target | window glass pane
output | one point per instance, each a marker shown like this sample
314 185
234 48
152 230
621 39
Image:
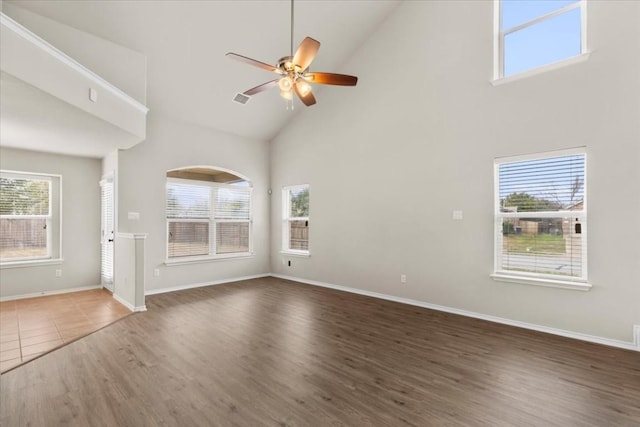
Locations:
543 185
23 238
232 203
24 196
299 235
299 202
188 201
516 12
541 245
232 237
543 43
188 239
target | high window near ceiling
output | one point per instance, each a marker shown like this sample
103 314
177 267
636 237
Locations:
295 220
208 215
29 218
532 34
541 219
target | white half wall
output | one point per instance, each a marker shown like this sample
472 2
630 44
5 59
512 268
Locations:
388 162
142 189
80 224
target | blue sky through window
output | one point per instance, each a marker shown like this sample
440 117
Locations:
542 43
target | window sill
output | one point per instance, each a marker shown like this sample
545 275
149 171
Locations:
31 263
300 254
542 69
200 260
549 283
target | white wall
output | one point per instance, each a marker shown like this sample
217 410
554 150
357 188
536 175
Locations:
80 224
389 160
122 67
141 188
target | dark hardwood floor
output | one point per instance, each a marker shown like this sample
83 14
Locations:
274 352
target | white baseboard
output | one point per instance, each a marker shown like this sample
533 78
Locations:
561 332
128 304
201 284
45 293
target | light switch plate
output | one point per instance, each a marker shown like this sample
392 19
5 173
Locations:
457 215
133 215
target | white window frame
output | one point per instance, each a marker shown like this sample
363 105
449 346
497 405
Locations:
212 221
499 35
54 254
287 219
530 278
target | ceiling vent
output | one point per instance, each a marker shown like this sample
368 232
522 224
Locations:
241 98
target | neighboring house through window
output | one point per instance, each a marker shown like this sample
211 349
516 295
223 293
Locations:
532 34
541 217
295 215
29 217
208 214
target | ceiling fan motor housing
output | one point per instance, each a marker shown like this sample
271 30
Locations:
287 66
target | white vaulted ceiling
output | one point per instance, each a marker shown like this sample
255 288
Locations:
188 76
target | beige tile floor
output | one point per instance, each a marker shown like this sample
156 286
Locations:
34 326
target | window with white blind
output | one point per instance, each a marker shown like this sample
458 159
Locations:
29 217
531 34
208 219
541 218
295 216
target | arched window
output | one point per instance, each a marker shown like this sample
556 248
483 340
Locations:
208 214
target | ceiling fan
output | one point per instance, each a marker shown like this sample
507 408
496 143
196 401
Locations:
294 74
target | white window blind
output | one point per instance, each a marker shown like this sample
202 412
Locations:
108 228
232 203
232 214
188 201
541 216
295 228
207 219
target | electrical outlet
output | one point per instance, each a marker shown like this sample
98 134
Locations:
58 273
403 278
156 272
636 330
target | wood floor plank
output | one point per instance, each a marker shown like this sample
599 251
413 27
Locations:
275 352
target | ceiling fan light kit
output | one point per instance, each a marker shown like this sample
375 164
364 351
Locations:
294 72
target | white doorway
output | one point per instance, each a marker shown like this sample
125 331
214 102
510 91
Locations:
108 232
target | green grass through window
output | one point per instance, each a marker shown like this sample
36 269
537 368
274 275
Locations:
534 243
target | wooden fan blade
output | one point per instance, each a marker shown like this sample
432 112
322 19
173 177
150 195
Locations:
253 62
303 90
331 79
261 88
306 52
